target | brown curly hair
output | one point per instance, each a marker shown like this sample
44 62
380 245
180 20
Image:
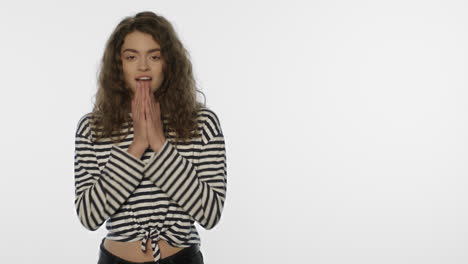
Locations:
176 95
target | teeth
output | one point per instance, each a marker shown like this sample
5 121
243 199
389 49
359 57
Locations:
144 78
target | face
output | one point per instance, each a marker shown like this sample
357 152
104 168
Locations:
141 56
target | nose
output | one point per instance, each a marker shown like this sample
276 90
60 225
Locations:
143 65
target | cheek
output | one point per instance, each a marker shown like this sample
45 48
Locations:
127 75
125 70
128 81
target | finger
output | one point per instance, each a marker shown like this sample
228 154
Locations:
141 110
135 91
147 97
140 105
143 101
150 104
136 96
149 107
148 94
155 104
146 87
142 95
154 111
150 97
150 101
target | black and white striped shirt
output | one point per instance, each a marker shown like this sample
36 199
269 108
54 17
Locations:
157 197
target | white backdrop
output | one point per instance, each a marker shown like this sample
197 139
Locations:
345 122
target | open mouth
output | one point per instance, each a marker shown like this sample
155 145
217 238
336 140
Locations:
143 79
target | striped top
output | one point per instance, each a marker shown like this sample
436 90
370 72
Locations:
159 196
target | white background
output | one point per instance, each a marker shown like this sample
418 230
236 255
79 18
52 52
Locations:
345 122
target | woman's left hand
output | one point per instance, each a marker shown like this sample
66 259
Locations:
154 123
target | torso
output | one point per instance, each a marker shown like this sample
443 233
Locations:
131 251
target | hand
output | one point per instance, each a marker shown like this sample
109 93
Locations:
154 124
140 137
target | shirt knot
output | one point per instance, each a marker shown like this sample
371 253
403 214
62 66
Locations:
154 235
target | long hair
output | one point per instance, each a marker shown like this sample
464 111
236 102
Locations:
176 95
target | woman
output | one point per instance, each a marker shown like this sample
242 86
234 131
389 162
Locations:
149 159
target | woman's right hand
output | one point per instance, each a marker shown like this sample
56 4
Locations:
140 138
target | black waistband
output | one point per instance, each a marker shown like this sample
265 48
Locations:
185 252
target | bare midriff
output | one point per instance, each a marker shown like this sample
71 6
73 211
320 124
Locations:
131 251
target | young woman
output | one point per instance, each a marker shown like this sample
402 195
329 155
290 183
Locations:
149 159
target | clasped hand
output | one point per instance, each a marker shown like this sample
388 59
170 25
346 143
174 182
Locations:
146 115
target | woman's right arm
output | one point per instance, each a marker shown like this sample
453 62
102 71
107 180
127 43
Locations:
100 193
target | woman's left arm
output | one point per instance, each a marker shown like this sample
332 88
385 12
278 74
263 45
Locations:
200 190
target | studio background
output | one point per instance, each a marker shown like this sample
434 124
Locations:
345 123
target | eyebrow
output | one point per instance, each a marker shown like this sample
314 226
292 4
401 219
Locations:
136 51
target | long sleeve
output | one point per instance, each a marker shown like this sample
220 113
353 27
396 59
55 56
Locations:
100 193
200 189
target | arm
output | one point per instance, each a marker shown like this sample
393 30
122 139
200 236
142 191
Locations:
201 190
100 193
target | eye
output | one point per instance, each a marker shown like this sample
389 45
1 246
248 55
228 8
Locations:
155 57
130 57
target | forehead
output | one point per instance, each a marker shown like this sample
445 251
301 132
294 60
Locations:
139 41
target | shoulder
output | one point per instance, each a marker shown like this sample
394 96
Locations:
207 115
83 127
209 122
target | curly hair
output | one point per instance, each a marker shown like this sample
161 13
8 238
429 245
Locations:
176 95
